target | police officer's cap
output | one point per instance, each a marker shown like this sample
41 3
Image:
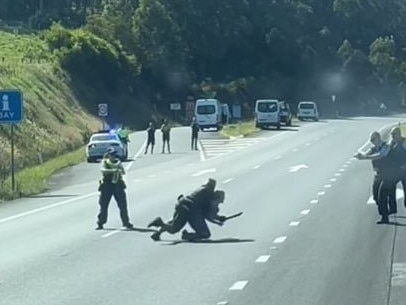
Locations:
395 130
211 182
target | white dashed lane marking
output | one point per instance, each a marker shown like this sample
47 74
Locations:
262 259
337 174
257 166
305 212
333 180
280 239
240 285
321 193
327 186
227 180
314 201
203 172
294 223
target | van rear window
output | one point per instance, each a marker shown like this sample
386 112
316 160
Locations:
306 106
267 107
206 109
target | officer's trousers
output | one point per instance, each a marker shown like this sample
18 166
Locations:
108 190
194 141
199 225
384 194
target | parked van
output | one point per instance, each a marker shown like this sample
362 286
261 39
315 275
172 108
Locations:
208 113
267 113
307 110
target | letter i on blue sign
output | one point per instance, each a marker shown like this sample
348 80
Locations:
5 103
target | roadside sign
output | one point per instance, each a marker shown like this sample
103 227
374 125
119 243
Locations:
11 106
176 106
103 110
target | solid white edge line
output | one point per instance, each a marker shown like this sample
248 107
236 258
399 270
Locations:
201 151
48 207
111 233
139 152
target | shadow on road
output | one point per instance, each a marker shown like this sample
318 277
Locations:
207 241
135 229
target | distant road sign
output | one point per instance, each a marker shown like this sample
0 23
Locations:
103 110
11 106
175 106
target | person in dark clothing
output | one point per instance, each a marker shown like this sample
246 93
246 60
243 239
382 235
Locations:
150 138
112 184
384 179
194 209
398 155
195 133
166 131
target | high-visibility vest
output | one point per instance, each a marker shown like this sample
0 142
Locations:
117 176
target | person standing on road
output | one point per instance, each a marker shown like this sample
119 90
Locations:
398 154
112 184
195 133
166 131
150 138
383 178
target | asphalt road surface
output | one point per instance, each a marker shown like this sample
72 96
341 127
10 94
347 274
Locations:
307 236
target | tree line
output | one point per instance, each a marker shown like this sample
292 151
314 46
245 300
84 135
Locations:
236 50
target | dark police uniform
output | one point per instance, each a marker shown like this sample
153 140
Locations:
150 139
383 181
398 157
189 209
195 133
112 184
166 131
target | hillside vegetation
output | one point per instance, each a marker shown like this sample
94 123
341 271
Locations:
140 55
54 121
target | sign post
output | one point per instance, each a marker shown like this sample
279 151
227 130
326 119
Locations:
11 112
333 98
175 107
103 112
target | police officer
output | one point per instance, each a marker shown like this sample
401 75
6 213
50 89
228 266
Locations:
195 133
192 209
112 184
150 138
166 131
383 178
398 156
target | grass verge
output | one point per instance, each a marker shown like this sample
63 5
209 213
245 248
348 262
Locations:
244 129
34 180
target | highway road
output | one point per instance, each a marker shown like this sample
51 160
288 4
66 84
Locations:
308 235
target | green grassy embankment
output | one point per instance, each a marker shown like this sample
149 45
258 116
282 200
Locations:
242 129
54 124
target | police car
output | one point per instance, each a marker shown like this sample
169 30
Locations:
101 141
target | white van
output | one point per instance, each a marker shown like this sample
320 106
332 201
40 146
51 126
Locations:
307 110
267 113
208 113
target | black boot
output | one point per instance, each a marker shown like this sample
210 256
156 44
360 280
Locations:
157 222
384 220
156 236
